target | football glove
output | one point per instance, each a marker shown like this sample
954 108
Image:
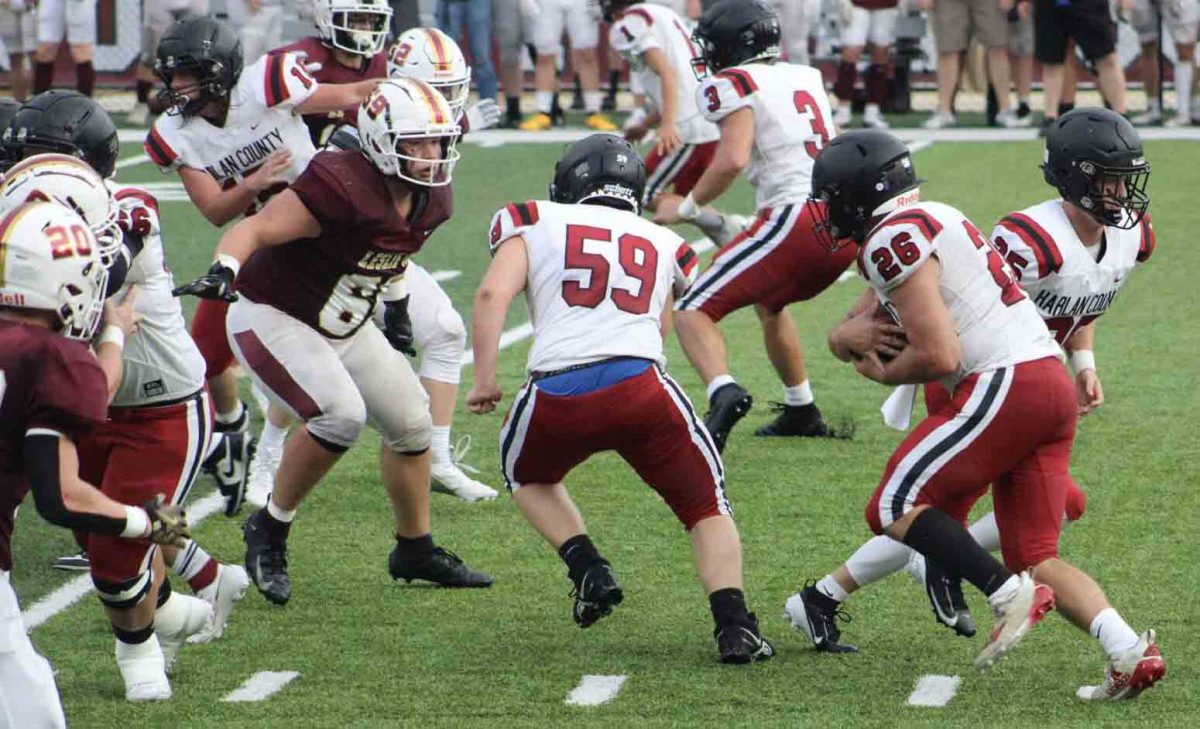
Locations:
397 326
168 522
484 114
216 284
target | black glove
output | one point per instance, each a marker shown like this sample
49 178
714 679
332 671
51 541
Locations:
397 326
216 284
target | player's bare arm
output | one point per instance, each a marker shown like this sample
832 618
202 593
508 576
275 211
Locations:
120 322
222 206
862 332
732 156
505 278
336 97
668 133
283 220
933 350
1088 390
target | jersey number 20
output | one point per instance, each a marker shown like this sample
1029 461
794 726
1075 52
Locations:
642 267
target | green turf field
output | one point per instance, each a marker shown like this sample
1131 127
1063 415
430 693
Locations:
370 652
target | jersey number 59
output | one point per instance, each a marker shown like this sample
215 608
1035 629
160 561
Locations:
638 259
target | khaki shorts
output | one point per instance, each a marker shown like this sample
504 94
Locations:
1020 37
956 21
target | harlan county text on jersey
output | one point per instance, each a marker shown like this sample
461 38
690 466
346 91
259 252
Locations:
247 157
1092 304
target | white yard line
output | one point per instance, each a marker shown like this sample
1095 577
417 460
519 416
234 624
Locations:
595 690
70 593
508 338
133 161
261 685
934 691
445 275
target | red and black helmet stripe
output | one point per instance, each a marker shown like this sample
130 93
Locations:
741 79
1049 259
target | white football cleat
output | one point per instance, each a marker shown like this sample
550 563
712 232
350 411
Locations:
182 617
1130 673
1014 617
1150 116
262 475
731 227
221 595
138 115
842 116
873 118
1182 119
939 120
143 670
449 477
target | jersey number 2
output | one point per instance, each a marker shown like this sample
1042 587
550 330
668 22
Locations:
597 289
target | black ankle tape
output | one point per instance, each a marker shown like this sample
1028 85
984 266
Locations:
134 637
578 553
164 592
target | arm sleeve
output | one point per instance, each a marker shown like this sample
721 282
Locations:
1028 248
632 35
721 95
282 81
163 147
511 220
42 473
1148 241
687 263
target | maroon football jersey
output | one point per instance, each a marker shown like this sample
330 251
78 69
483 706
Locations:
875 4
320 126
331 282
46 381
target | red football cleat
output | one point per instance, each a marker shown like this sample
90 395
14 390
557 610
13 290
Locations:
1129 674
1014 618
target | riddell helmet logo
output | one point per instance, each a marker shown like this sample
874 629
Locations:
908 198
13 299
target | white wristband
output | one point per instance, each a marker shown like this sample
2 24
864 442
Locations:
688 209
137 523
229 262
113 334
1083 359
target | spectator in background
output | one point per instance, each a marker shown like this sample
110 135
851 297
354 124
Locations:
954 22
582 24
1091 25
869 23
1020 57
157 16
74 20
405 14
797 18
509 24
259 25
476 16
16 30
1182 18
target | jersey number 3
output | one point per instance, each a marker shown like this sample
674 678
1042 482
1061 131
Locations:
637 256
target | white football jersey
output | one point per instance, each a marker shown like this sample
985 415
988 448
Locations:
599 280
996 322
792 123
647 26
1069 286
261 120
162 362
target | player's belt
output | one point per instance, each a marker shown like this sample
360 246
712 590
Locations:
543 374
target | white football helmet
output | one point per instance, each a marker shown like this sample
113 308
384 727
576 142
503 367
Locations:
338 27
71 182
404 110
48 261
434 57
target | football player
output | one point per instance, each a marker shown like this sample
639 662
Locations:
52 392
1009 421
659 48
298 322
599 279
235 137
870 24
774 119
157 17
73 21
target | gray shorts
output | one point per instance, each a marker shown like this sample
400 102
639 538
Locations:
508 30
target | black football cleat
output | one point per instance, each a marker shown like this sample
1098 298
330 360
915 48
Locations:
266 557
229 465
740 642
439 566
816 616
596 593
799 421
946 598
728 405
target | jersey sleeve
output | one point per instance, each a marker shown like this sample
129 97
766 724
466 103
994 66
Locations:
511 220
71 395
720 95
898 247
281 80
137 212
322 192
162 146
687 264
633 34
1028 248
1147 241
